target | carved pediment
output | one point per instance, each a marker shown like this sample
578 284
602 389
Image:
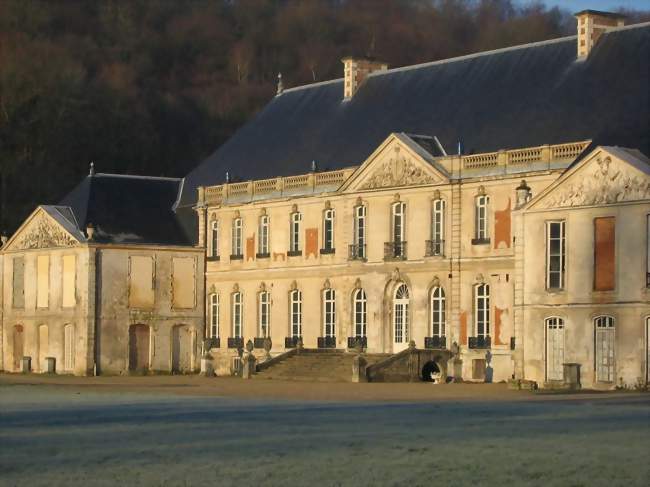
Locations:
44 234
395 163
399 170
603 180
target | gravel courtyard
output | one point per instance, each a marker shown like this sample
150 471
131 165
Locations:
162 431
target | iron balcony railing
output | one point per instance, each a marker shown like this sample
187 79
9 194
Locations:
357 252
434 247
236 342
353 342
480 342
394 250
258 342
327 342
291 342
212 342
435 343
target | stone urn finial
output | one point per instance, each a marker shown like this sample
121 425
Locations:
250 346
268 344
412 345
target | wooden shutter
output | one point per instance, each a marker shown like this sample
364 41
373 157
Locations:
604 254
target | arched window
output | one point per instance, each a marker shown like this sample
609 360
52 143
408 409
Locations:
328 230
214 239
438 319
237 238
605 359
359 249
554 348
401 315
360 313
482 310
295 313
481 203
437 227
213 315
237 312
329 313
294 232
263 236
68 347
264 314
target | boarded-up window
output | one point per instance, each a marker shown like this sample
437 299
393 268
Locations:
69 281
141 281
183 279
18 298
604 254
42 281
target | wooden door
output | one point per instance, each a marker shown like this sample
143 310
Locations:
18 347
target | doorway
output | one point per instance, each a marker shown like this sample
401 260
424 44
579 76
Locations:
400 318
139 345
181 349
605 343
554 349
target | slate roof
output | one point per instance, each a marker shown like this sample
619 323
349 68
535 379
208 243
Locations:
125 209
522 96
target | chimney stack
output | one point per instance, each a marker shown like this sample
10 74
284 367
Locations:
591 25
356 70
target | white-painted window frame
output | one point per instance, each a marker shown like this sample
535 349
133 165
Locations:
263 235
237 236
329 312
360 313
438 312
294 231
213 315
559 257
295 313
482 310
264 314
237 307
328 229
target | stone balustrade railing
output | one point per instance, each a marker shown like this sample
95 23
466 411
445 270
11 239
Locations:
324 181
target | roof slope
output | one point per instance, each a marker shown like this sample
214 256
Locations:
516 97
127 209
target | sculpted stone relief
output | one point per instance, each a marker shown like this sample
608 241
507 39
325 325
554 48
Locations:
603 183
398 171
43 234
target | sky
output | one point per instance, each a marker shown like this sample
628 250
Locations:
607 5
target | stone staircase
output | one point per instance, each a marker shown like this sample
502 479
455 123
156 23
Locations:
315 365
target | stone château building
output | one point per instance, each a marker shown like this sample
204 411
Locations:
492 209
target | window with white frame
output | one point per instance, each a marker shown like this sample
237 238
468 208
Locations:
438 319
294 232
329 312
295 313
237 237
237 312
481 203
263 235
264 314
328 230
554 348
214 239
605 357
360 313
213 315
360 231
399 215
438 227
482 309
555 255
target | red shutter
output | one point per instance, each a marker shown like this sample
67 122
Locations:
604 254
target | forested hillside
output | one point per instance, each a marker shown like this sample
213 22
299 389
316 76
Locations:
152 87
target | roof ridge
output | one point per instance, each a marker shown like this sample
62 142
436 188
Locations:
134 176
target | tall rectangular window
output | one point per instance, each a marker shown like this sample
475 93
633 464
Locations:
263 235
237 306
360 314
482 309
555 254
438 227
213 249
69 295
214 315
295 311
237 237
264 314
604 254
399 211
360 231
481 217
294 232
328 230
18 288
329 312
43 281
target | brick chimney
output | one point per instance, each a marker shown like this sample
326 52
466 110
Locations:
356 70
591 24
